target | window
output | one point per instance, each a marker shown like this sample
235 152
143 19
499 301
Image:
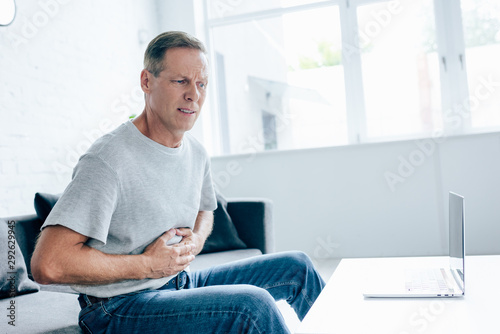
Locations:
218 9
275 73
296 74
400 67
481 24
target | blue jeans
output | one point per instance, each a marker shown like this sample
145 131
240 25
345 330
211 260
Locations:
237 297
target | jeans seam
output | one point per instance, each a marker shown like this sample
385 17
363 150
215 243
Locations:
106 312
82 323
210 270
280 284
187 313
302 292
306 298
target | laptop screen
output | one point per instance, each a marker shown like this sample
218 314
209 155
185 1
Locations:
456 242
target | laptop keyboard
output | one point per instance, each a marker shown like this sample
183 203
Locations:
427 280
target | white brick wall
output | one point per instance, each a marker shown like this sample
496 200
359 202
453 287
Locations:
69 72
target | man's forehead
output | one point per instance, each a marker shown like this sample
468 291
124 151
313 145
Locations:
186 61
189 72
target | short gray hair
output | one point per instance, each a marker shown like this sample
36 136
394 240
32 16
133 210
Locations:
155 52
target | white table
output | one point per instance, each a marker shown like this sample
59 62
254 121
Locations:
341 307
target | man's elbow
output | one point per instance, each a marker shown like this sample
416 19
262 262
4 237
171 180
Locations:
45 272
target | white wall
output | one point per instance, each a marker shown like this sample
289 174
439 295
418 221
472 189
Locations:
69 72
336 202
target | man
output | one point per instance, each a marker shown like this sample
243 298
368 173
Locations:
138 211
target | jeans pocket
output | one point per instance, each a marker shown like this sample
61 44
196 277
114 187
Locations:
93 319
84 327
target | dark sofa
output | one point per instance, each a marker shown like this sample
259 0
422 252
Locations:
54 309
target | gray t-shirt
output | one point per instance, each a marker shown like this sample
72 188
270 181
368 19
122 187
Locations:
127 190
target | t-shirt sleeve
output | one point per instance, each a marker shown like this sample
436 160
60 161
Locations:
88 203
208 200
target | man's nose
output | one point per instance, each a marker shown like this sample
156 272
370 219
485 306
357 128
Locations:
192 93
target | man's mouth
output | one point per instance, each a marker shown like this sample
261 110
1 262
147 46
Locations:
186 111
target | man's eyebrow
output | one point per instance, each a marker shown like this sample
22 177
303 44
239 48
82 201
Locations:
184 76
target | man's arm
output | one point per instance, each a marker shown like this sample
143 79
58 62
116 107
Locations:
61 257
202 229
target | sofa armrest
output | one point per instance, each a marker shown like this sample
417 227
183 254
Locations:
253 220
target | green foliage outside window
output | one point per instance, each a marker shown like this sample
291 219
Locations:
327 55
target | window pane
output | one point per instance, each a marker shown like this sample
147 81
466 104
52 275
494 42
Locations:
400 68
481 22
283 89
225 8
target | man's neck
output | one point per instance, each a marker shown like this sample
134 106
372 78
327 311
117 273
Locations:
155 131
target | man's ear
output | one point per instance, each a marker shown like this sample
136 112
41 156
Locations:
146 80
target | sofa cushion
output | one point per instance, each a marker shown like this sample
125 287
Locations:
14 279
27 231
44 204
224 235
43 312
205 261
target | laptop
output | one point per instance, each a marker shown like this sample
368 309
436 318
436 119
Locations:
435 282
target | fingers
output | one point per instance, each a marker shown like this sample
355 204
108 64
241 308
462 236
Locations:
168 235
185 260
183 249
181 257
165 260
184 231
160 245
187 237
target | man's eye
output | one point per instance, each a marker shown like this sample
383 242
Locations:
202 85
179 81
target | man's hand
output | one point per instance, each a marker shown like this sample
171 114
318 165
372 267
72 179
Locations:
191 238
202 229
166 260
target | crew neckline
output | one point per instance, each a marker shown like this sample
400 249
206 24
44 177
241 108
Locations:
154 144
